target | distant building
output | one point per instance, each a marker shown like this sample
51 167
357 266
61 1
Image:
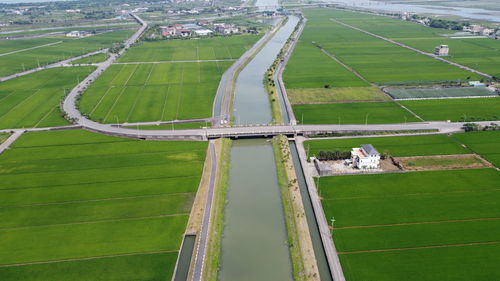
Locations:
476 28
226 29
488 31
442 50
76 33
476 84
365 157
203 32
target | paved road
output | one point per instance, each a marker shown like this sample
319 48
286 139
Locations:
10 140
63 63
281 68
224 91
326 235
205 227
414 49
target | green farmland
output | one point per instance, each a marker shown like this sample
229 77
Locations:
66 48
376 60
416 226
81 206
153 92
33 100
310 68
482 54
352 113
215 48
483 143
402 93
395 146
478 109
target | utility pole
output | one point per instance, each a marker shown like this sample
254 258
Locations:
332 220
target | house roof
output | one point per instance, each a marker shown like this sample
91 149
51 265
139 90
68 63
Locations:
369 149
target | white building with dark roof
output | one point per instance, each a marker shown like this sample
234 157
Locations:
365 157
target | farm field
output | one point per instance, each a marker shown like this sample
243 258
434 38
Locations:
92 59
478 109
214 48
395 146
377 60
309 67
482 54
3 137
123 216
338 94
352 113
7 46
68 48
483 143
153 92
402 93
404 218
33 100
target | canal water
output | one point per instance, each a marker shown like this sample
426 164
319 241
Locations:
254 243
251 102
254 240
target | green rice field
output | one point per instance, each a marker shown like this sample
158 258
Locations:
478 109
402 93
482 54
308 67
416 226
33 100
352 113
65 48
215 48
3 137
376 60
67 216
395 146
153 92
483 143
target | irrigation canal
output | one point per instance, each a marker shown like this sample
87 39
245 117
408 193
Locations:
254 242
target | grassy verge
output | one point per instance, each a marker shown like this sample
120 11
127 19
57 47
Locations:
299 239
240 68
271 89
3 137
223 147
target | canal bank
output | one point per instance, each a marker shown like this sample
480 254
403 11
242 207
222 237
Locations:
254 244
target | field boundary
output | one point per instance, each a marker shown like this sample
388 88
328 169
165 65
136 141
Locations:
414 49
88 258
422 247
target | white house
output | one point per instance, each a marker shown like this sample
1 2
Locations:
203 32
365 157
442 50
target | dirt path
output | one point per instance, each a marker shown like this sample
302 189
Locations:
416 223
422 247
88 258
32 48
